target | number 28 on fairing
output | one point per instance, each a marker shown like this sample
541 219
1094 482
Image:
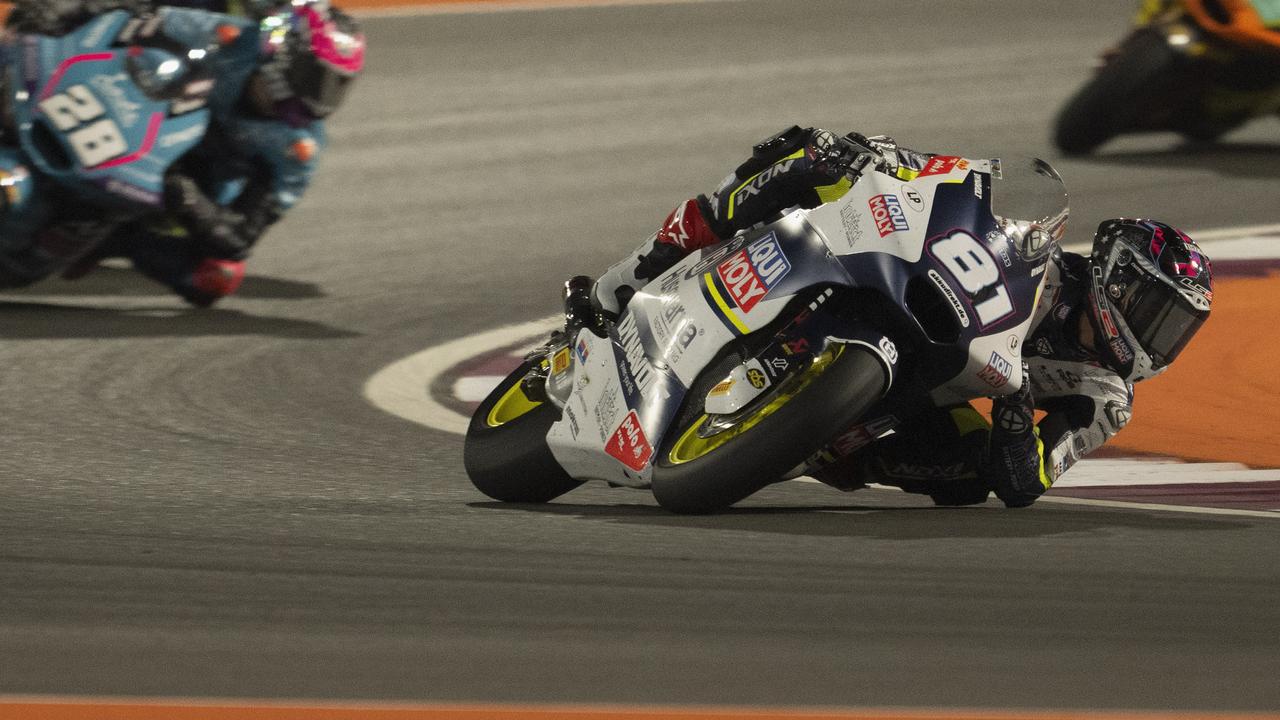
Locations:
978 273
74 113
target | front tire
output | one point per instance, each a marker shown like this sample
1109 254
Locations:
505 451
693 475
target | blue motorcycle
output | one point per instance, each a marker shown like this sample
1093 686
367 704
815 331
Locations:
90 122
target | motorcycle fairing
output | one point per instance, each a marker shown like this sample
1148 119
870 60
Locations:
949 237
625 389
628 388
85 121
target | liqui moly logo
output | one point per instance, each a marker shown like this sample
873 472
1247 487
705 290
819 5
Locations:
887 212
628 444
752 272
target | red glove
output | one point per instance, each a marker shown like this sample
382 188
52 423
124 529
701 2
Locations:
686 228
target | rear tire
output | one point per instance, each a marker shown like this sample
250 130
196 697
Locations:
510 461
1109 103
777 443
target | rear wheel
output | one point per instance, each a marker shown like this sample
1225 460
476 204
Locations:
506 453
1127 86
709 463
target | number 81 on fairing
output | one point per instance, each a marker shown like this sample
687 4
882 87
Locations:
977 271
72 112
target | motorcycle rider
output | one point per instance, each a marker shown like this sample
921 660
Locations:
1104 322
255 161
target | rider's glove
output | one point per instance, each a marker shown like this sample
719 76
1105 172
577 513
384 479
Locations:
1015 466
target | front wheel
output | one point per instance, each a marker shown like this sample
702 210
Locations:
506 453
707 465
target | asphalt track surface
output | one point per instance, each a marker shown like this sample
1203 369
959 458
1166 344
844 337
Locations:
202 504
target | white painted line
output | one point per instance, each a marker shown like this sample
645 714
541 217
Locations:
1126 505
403 387
1122 504
1119 473
477 8
476 387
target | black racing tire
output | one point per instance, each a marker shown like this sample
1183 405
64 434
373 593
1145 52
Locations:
511 462
1110 102
764 452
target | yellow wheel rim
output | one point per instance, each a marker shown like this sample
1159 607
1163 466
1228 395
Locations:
691 447
513 404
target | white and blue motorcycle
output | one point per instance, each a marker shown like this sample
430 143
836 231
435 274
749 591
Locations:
728 371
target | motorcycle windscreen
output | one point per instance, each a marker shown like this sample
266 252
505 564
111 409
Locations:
1029 201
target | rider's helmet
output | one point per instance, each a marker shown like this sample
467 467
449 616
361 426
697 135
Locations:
314 53
1150 291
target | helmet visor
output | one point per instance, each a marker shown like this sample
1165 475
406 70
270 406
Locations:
1161 320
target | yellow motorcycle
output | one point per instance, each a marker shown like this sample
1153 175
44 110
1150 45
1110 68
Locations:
1196 67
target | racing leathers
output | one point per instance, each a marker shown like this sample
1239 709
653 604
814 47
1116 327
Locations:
953 454
251 168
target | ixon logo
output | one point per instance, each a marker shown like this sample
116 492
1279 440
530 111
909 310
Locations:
752 272
887 212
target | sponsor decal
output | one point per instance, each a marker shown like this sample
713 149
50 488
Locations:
1013 419
1102 307
560 361
583 351
997 372
752 272
851 219
775 366
914 199
756 184
1197 288
913 471
628 444
943 165
132 192
573 421
795 347
977 186
889 349
1118 414
607 411
640 376
950 294
722 388
108 86
1044 347
888 215
1070 379
757 379
1121 349
191 134
862 435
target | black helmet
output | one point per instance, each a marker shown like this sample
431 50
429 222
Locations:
1150 291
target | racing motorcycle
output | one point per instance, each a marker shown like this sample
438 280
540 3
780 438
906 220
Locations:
96 117
1197 67
726 372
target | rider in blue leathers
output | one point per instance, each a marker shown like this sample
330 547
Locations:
1104 322
258 156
